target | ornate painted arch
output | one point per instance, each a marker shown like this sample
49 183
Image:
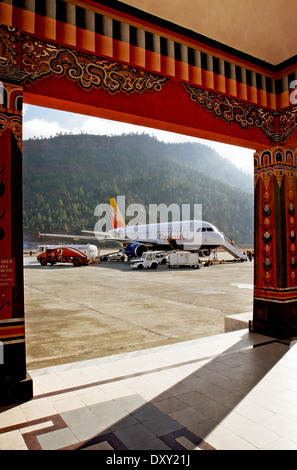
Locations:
104 59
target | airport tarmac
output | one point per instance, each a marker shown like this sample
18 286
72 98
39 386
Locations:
226 391
79 313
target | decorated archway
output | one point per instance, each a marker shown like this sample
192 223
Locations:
118 63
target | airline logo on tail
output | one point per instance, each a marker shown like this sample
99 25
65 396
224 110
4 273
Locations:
117 220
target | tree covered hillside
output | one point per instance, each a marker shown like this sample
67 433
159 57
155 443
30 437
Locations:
67 176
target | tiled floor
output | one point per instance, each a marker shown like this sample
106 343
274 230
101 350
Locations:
233 391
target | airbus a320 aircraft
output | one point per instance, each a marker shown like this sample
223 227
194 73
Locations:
192 235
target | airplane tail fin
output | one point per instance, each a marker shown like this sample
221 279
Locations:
117 220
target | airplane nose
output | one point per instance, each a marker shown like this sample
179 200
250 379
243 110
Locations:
220 237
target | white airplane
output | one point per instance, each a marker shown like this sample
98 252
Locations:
192 235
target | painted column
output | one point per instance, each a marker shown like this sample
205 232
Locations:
275 274
15 385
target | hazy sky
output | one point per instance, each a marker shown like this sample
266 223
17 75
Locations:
43 122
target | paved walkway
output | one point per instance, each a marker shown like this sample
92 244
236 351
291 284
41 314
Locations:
232 391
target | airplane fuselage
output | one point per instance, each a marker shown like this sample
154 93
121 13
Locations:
190 235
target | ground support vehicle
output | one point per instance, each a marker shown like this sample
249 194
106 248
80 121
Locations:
116 256
147 260
183 258
75 254
161 257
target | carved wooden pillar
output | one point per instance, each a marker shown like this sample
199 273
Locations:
275 275
15 385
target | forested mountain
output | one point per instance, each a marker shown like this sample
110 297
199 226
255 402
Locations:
67 176
206 160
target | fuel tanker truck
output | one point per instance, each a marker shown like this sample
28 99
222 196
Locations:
78 255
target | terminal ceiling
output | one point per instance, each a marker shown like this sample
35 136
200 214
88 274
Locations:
264 29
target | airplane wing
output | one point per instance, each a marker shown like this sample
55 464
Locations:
109 236
106 236
74 237
97 236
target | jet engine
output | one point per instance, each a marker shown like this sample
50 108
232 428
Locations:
135 250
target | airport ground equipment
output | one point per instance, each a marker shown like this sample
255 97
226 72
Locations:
183 258
115 256
233 249
78 255
147 260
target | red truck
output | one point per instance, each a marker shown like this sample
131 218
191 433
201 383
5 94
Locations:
78 255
